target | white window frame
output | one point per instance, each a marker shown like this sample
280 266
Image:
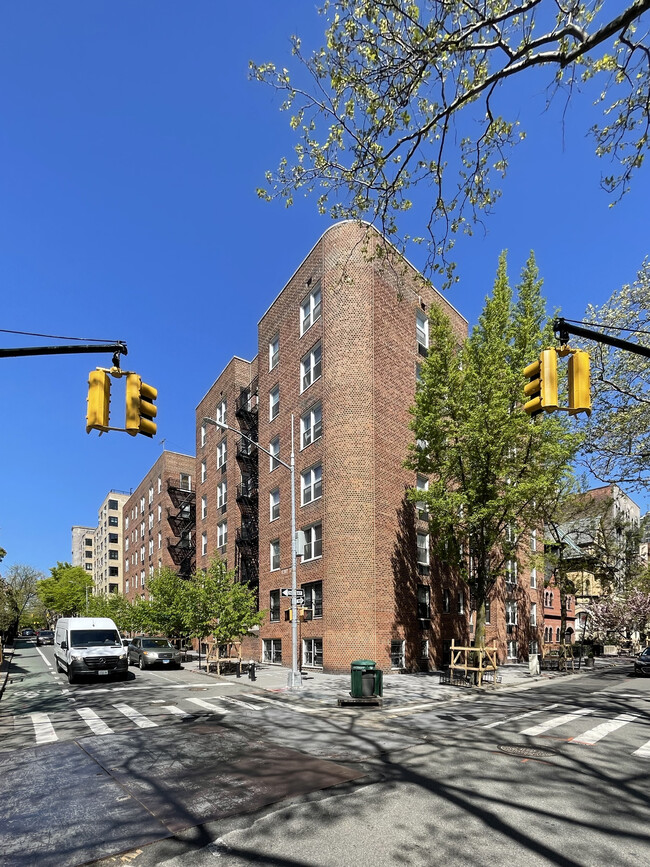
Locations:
311 367
313 541
222 494
422 329
310 652
512 650
220 413
397 654
310 423
533 614
533 578
272 650
274 352
512 612
204 507
274 449
204 544
203 434
204 470
533 540
274 555
222 453
310 482
274 504
422 540
274 402
222 534
310 309
422 484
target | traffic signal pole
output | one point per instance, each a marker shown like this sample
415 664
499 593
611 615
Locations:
562 329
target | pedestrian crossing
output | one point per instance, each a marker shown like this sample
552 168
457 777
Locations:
569 726
43 728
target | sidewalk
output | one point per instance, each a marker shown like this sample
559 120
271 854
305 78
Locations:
323 689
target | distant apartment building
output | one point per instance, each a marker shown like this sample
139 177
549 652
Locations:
159 523
83 539
108 542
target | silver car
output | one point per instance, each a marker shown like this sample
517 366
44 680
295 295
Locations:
145 651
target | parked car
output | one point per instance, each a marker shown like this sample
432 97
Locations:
27 633
147 650
45 636
642 662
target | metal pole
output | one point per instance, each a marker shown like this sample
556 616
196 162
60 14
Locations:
295 678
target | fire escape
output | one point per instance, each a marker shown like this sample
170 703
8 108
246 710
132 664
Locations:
182 520
247 536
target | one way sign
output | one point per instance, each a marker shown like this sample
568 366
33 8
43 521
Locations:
300 595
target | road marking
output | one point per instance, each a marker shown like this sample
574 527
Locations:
411 708
643 751
172 708
93 721
45 659
207 705
519 716
43 728
134 715
598 732
557 721
244 704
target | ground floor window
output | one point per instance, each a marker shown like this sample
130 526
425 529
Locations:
512 650
312 652
397 654
533 647
424 648
272 650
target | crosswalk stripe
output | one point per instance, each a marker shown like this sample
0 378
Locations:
173 708
595 734
134 715
207 705
43 728
643 751
93 721
509 719
557 721
245 704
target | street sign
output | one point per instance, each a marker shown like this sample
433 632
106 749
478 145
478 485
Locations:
300 594
287 591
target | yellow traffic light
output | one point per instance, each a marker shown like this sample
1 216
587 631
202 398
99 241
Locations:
579 383
99 399
541 390
140 411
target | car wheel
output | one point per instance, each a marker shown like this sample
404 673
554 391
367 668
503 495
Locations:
141 664
71 677
58 664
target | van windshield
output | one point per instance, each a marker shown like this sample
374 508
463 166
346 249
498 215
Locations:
94 637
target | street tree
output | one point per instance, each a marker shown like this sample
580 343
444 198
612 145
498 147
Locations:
66 591
18 591
617 436
492 470
164 612
406 95
615 618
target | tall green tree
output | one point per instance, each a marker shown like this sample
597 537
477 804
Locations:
410 97
18 591
66 591
166 608
491 469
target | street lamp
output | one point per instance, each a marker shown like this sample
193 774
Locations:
295 675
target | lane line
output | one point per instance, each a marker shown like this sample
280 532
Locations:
207 705
519 716
172 708
93 721
134 715
598 732
245 704
43 728
45 659
557 721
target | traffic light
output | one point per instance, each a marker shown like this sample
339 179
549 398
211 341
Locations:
98 400
579 383
541 390
140 411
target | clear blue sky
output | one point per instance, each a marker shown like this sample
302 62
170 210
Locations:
131 145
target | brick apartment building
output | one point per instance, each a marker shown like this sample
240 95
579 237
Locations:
159 523
339 350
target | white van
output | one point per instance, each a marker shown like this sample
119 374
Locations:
89 646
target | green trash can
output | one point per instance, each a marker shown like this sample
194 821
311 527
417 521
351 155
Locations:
365 679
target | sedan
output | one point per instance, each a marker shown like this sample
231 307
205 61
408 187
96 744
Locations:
146 651
642 662
45 636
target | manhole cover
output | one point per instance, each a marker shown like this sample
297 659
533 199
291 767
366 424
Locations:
526 752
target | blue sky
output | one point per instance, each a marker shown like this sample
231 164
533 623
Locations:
131 146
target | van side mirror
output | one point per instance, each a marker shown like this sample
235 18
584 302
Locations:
64 645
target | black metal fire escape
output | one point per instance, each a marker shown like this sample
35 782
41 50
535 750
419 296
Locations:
182 520
247 536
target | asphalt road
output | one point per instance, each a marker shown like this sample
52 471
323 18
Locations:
188 770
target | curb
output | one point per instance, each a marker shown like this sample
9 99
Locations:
7 657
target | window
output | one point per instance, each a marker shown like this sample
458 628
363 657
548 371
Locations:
424 602
511 534
422 484
511 613
397 654
112 539
151 547
512 650
142 505
533 578
113 505
274 402
311 426
312 652
533 540
424 648
159 540
113 572
272 650
159 484
274 449
557 635
422 331
446 601
275 555
533 647
461 602
274 606
310 309
150 520
222 494
511 571
150 494
112 521
423 552
222 534
533 614
310 367
204 507
220 414
313 542
311 485
487 611
221 454
113 554
274 352
204 470
185 482
204 544
274 505
418 373
313 594
203 434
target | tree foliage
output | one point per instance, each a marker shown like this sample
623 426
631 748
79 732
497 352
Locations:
491 469
617 441
65 592
616 617
408 93
18 592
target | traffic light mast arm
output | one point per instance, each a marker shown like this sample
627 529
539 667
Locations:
562 329
118 348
